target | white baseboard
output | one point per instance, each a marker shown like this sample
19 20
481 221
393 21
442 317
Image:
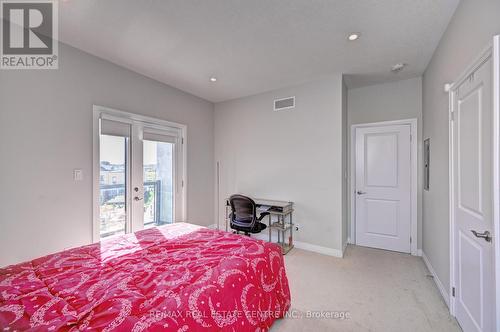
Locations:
300 245
319 249
419 252
438 282
344 248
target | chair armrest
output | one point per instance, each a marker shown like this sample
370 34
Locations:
262 215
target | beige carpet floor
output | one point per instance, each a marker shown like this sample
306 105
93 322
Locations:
380 291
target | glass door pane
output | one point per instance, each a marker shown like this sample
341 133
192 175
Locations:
112 185
158 168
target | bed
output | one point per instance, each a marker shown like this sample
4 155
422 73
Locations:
178 277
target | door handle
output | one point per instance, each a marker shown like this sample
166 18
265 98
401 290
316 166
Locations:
137 198
484 235
359 192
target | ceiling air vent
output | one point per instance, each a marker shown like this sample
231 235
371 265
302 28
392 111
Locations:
284 104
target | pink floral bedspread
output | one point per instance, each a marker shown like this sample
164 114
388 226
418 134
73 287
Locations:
179 277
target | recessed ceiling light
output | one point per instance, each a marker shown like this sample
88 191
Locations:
213 79
353 36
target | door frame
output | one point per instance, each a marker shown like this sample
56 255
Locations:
413 181
131 118
491 51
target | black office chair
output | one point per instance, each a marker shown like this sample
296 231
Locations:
244 215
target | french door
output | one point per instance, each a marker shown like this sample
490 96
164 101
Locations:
138 173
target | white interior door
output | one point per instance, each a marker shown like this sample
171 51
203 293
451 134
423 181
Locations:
472 201
383 187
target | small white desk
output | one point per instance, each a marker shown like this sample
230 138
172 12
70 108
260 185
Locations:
283 211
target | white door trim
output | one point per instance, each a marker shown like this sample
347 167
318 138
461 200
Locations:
111 113
493 50
496 168
414 175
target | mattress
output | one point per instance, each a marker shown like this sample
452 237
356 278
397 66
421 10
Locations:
178 277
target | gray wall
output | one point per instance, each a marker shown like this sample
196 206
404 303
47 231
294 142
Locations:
470 31
289 155
46 132
345 156
387 102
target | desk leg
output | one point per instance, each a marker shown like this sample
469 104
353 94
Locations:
279 232
269 228
226 217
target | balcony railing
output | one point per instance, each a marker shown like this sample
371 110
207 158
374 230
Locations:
113 208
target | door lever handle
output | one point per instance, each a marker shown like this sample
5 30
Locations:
359 192
484 235
137 198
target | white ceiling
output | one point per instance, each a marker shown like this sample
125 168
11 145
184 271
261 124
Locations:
253 46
